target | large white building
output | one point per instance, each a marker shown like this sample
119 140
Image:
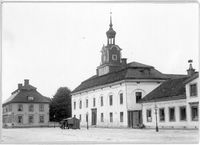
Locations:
111 97
174 104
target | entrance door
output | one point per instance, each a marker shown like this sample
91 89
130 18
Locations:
94 116
134 118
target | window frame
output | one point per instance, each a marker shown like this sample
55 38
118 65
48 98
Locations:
149 110
136 96
160 114
80 104
31 109
20 107
121 98
192 117
193 94
180 116
21 119
32 119
41 107
102 117
174 116
40 119
111 100
74 105
94 102
101 100
111 117
121 117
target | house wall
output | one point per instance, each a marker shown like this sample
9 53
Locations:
129 102
166 105
191 100
133 87
11 115
116 108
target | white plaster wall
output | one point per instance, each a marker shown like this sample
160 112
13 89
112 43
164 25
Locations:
192 99
25 113
166 104
144 87
116 108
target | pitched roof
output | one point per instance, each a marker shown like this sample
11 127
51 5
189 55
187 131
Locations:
172 89
21 96
194 76
133 70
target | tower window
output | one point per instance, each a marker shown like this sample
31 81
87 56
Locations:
193 90
114 57
138 96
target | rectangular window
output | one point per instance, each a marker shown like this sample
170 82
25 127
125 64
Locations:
80 104
74 105
31 109
86 103
183 113
149 117
111 100
20 107
30 119
86 118
94 102
101 117
121 98
80 117
193 90
10 107
101 100
172 114
41 120
194 113
162 114
41 107
138 96
20 119
121 116
111 117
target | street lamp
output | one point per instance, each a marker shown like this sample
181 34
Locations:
54 116
87 120
156 109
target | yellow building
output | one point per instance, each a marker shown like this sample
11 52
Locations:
26 107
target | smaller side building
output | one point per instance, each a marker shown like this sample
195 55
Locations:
26 107
174 104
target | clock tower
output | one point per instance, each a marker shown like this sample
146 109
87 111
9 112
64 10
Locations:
110 54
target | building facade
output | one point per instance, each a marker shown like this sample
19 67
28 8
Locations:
111 97
26 108
174 104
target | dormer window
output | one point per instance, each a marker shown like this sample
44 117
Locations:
114 57
30 98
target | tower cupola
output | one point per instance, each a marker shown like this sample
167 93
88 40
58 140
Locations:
111 33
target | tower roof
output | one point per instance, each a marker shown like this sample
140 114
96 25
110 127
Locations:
111 33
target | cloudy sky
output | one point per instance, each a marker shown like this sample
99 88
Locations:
58 44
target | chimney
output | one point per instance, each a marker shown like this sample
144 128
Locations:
124 61
26 82
19 86
190 71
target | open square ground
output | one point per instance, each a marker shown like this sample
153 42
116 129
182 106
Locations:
98 135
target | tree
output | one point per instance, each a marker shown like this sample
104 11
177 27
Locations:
60 106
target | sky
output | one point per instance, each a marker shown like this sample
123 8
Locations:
58 44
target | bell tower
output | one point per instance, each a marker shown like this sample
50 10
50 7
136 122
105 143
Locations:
110 54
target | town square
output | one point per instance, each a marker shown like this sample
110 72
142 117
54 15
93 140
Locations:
100 73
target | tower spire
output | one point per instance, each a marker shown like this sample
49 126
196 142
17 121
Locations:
111 19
